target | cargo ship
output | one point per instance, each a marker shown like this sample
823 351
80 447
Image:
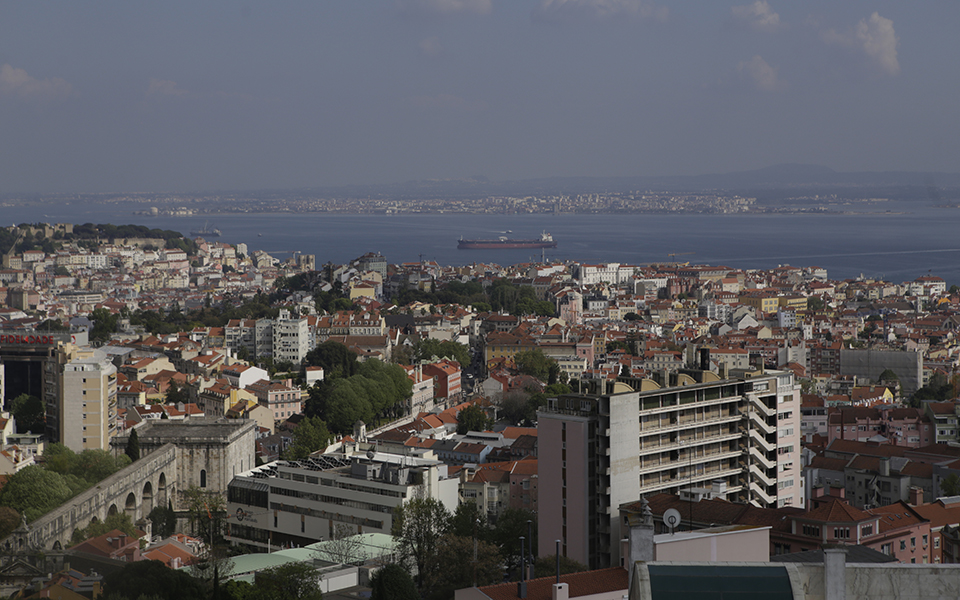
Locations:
504 243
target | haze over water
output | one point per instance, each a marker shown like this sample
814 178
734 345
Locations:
898 247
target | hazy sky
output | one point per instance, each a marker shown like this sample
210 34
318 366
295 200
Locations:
189 96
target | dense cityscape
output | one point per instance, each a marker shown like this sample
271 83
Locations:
452 431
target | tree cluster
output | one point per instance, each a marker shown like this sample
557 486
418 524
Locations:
502 295
119 521
426 349
442 546
354 391
472 418
29 413
35 490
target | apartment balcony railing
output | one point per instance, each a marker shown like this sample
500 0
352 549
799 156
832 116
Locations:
644 431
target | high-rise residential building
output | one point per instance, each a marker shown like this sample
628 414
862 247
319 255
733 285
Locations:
88 405
701 436
291 338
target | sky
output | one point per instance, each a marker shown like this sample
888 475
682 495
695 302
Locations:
178 96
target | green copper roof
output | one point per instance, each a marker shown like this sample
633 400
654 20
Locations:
726 582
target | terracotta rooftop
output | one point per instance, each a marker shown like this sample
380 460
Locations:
587 583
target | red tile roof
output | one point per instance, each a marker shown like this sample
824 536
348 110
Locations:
587 583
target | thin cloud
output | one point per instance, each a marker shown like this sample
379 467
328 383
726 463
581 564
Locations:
163 87
430 46
446 7
763 76
449 102
574 10
758 16
18 83
875 37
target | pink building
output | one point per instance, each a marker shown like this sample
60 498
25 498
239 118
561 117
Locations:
279 396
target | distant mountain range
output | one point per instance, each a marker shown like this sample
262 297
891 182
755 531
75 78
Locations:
815 178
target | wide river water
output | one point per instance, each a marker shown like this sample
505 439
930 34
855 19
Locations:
911 240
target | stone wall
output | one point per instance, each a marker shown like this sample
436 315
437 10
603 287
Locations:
135 490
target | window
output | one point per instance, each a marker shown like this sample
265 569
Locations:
903 544
913 542
866 530
203 478
924 540
936 542
887 549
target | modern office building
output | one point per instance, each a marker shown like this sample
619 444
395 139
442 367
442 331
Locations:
300 502
700 436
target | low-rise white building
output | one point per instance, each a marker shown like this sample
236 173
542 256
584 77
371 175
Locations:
301 502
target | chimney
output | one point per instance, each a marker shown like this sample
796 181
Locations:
640 538
915 496
834 573
885 467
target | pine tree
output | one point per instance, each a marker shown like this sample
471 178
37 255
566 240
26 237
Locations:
133 446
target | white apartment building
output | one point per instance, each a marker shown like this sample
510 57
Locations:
612 273
291 338
88 403
599 450
301 502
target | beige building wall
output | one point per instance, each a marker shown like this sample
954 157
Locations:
88 401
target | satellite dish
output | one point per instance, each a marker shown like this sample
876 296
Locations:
671 517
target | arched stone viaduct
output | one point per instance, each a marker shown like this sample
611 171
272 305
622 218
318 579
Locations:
135 490
175 455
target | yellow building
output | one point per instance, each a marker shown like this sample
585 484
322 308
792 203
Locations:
793 302
766 303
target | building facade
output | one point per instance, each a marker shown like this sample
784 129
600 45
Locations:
88 407
602 449
301 502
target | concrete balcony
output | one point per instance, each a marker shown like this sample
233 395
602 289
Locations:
760 441
691 424
759 422
761 493
701 441
760 474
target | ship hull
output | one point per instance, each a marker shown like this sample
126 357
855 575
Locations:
503 245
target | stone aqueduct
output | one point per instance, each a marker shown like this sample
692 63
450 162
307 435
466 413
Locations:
134 490
178 454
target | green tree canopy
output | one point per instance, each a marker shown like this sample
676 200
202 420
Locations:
9 520
512 524
32 491
133 446
428 348
292 581
163 519
546 566
534 363
28 413
336 359
455 568
119 521
950 485
393 582
418 526
308 437
468 520
472 418
153 578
